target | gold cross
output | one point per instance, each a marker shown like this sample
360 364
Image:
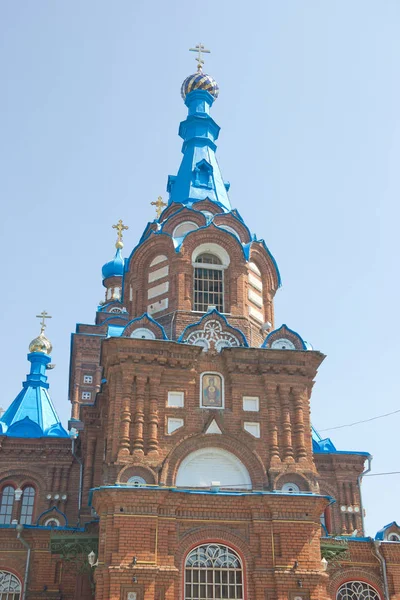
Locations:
120 227
200 49
159 206
43 315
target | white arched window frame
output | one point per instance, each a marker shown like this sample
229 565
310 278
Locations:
357 590
211 466
209 262
136 481
10 586
213 571
184 228
230 229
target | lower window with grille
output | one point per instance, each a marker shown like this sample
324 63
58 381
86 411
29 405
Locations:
213 571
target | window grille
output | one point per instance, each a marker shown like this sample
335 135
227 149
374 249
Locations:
86 395
6 506
208 283
28 500
357 590
87 379
213 571
10 586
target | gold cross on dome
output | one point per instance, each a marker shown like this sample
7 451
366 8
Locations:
200 49
43 315
120 227
159 206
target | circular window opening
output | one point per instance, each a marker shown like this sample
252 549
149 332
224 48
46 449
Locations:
394 537
52 522
136 481
290 488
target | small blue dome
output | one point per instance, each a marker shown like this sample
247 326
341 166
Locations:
114 268
199 81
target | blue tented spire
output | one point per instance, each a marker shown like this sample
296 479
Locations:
32 414
199 176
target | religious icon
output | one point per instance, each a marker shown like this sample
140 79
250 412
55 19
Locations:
212 392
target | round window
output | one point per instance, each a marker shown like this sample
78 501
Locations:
290 488
136 481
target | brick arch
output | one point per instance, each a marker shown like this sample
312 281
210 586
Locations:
186 214
249 458
354 574
264 262
137 469
22 478
219 535
297 478
334 512
231 221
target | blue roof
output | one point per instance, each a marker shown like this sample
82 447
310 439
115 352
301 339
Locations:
199 176
32 414
381 533
320 445
115 267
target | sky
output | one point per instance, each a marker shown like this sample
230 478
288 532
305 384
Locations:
310 141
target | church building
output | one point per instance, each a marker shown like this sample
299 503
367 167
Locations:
190 469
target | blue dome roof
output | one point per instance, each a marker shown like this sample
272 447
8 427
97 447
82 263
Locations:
114 268
199 81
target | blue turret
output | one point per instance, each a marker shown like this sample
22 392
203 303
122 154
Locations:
32 414
199 176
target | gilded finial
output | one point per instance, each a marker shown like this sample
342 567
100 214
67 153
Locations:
120 227
43 315
41 343
200 49
159 206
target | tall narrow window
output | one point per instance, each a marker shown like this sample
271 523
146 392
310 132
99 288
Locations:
10 586
213 571
28 500
6 506
208 283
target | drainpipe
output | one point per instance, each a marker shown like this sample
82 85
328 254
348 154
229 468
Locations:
381 558
19 529
359 480
79 461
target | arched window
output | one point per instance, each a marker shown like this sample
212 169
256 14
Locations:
6 505
208 283
203 467
213 571
357 590
28 500
136 481
10 586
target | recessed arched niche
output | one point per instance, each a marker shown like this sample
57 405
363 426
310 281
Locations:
208 466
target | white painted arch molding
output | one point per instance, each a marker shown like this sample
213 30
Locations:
202 467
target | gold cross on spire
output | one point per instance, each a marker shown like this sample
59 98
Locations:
120 227
43 315
159 206
200 49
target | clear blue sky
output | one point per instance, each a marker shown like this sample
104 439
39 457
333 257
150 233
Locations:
310 141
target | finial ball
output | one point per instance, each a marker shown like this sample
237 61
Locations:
199 81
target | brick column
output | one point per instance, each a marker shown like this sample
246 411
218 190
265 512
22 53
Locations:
271 391
138 441
124 442
288 455
153 416
299 395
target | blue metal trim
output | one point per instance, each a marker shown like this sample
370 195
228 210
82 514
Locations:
145 315
275 331
45 512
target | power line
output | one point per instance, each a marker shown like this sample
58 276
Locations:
389 473
363 421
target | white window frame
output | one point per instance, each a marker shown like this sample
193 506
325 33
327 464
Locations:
252 428
86 396
249 399
179 403
88 379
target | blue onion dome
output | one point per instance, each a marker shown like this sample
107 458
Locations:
114 268
199 81
41 344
